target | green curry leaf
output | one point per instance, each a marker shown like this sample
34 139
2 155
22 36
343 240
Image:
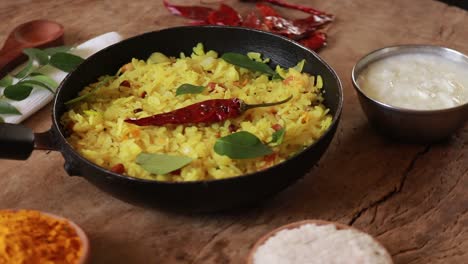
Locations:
160 163
6 81
84 96
54 50
36 83
241 145
80 98
65 61
17 92
189 89
7 108
26 70
2 120
44 79
277 136
37 54
245 62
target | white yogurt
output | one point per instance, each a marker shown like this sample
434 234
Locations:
420 81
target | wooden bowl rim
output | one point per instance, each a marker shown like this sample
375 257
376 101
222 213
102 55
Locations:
79 231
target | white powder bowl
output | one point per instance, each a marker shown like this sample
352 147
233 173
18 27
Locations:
317 241
413 93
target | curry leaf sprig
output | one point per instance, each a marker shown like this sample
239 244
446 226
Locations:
239 145
244 61
277 137
187 88
161 163
105 81
30 76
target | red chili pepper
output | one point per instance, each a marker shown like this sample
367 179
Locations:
118 168
209 111
125 83
252 21
264 18
270 158
302 8
266 10
276 127
225 15
176 172
315 41
193 12
211 86
232 128
283 26
313 22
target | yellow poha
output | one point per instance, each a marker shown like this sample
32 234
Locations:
143 88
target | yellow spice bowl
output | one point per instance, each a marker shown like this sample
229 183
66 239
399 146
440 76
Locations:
11 220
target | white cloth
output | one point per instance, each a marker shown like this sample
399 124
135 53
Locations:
41 97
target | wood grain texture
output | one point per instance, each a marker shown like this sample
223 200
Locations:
412 198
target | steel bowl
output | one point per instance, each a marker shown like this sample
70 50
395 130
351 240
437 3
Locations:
408 124
211 195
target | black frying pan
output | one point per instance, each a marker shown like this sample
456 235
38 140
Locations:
18 142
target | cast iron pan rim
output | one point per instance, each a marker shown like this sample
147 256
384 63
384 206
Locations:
200 182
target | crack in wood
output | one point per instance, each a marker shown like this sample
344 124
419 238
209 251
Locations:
211 239
374 215
404 251
395 190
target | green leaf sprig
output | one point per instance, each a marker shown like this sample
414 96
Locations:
277 137
7 108
241 145
187 88
161 164
99 85
30 77
245 62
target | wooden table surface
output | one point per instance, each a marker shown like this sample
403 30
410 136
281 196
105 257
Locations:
412 198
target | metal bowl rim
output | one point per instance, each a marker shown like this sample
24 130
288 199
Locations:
391 49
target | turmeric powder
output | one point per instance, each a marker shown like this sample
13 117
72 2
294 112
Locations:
31 237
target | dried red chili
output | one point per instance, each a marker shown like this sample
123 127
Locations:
232 128
315 41
118 168
264 17
193 12
209 111
276 127
225 15
211 86
270 158
302 8
125 83
176 172
266 10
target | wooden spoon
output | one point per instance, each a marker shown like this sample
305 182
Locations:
32 34
339 226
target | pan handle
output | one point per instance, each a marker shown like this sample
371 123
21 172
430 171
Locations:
17 141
